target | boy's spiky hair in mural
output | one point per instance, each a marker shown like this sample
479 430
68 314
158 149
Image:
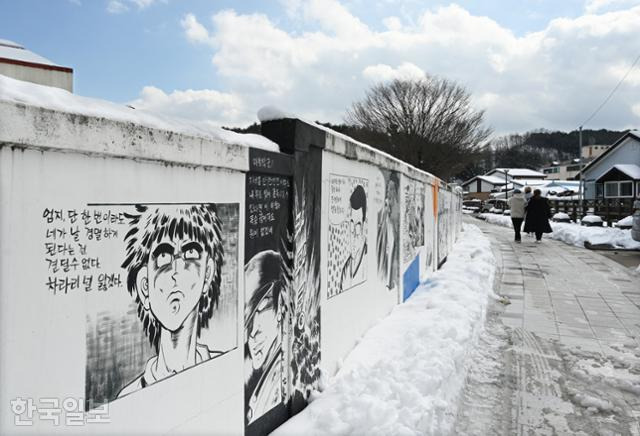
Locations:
151 223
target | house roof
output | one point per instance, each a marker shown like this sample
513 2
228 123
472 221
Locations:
13 53
610 149
489 179
518 172
631 170
530 182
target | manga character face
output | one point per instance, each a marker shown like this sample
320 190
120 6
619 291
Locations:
175 279
263 332
357 233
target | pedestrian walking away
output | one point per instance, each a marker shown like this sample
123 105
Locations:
537 215
517 204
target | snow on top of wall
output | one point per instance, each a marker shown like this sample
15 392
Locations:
271 113
11 50
31 94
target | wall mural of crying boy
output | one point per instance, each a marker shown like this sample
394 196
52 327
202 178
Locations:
174 256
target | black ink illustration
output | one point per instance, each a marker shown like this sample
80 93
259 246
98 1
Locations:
181 272
442 226
348 233
265 312
267 273
305 339
429 224
414 203
387 240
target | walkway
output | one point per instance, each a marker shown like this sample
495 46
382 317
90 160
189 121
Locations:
562 350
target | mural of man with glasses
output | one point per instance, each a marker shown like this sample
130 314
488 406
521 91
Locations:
264 313
354 270
173 260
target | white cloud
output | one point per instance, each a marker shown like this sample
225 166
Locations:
551 78
385 73
199 105
195 31
120 6
116 7
595 6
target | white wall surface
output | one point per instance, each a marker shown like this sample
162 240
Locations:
59 79
347 315
44 335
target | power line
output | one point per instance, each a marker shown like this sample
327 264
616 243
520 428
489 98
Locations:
613 91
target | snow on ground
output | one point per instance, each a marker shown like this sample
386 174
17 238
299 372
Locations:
17 91
406 374
575 234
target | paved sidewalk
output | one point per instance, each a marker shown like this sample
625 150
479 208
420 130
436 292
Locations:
562 292
571 360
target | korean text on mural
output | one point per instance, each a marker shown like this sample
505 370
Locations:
266 196
68 238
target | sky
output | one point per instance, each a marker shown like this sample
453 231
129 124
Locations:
529 64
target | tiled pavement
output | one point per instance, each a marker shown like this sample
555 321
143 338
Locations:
571 312
567 293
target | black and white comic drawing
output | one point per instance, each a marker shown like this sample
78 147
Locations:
305 338
180 264
387 239
267 285
265 313
414 203
348 233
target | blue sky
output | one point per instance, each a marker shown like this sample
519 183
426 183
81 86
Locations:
529 63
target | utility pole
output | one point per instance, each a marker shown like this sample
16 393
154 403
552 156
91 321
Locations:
506 183
580 193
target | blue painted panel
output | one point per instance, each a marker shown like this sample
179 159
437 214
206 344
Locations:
411 278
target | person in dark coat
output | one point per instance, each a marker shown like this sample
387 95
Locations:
538 212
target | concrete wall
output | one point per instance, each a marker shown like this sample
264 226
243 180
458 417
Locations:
41 76
181 284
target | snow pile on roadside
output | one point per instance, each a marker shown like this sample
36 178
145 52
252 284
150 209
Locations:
57 99
627 221
405 375
499 220
575 234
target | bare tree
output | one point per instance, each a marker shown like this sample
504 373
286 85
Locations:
429 123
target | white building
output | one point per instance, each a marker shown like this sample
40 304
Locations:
516 173
562 170
616 172
19 63
481 186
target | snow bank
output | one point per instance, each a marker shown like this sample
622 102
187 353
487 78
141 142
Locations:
576 234
591 219
625 222
17 91
405 375
561 216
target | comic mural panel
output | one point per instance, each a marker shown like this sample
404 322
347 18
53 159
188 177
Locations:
388 232
267 311
412 235
282 301
442 226
429 224
414 203
348 233
170 302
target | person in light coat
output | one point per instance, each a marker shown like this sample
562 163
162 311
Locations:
517 204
